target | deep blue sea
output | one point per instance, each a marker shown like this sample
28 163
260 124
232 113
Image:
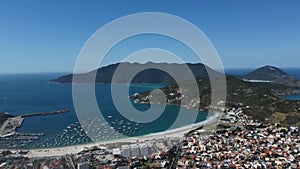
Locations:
31 93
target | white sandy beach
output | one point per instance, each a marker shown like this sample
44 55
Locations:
60 151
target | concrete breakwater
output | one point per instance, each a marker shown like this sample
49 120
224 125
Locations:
11 124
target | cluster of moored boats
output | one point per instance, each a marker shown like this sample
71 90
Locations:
95 129
17 140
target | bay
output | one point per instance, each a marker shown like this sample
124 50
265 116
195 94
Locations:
31 93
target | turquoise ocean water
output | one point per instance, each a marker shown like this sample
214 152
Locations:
31 93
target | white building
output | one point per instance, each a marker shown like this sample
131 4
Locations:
144 150
117 151
126 151
135 152
150 147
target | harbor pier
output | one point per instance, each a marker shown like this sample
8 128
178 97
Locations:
11 124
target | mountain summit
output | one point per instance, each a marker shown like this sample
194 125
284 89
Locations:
152 75
272 74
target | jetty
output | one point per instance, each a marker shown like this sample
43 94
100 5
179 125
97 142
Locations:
45 113
11 124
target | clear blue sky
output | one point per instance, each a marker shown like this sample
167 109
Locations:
46 36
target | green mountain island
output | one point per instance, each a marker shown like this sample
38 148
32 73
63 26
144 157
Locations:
271 74
260 91
105 74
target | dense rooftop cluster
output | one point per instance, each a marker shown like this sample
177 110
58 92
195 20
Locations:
248 144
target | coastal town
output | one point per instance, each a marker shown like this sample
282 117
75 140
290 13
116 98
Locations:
246 144
238 142
149 84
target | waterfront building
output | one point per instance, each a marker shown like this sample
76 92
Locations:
126 151
117 152
135 152
144 151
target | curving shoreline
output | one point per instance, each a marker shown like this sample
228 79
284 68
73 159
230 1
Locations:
73 149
